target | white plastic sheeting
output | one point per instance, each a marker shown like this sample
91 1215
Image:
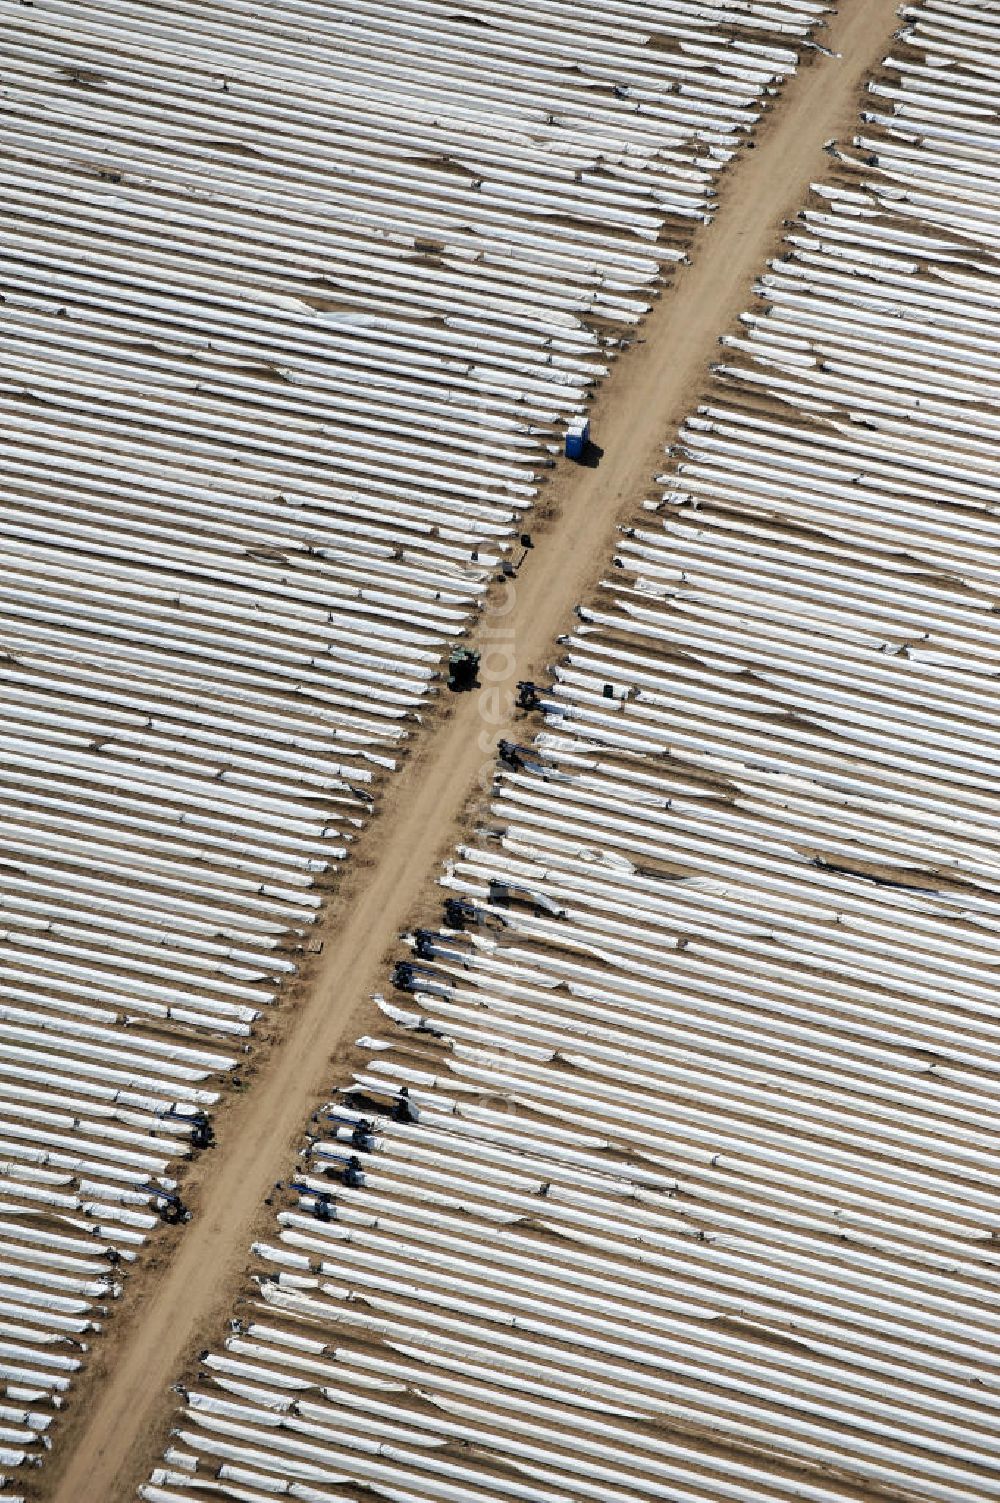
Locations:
291 318
701 1197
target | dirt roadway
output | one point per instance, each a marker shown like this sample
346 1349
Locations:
122 1408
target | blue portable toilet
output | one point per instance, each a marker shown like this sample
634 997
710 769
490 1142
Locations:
577 438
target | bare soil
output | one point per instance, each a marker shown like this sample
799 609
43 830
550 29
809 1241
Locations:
178 1301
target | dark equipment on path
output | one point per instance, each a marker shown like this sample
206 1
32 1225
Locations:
363 1136
527 695
354 1176
463 669
169 1208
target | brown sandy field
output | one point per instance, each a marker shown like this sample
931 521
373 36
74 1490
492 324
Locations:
181 1293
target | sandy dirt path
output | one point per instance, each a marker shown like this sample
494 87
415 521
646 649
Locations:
122 1408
